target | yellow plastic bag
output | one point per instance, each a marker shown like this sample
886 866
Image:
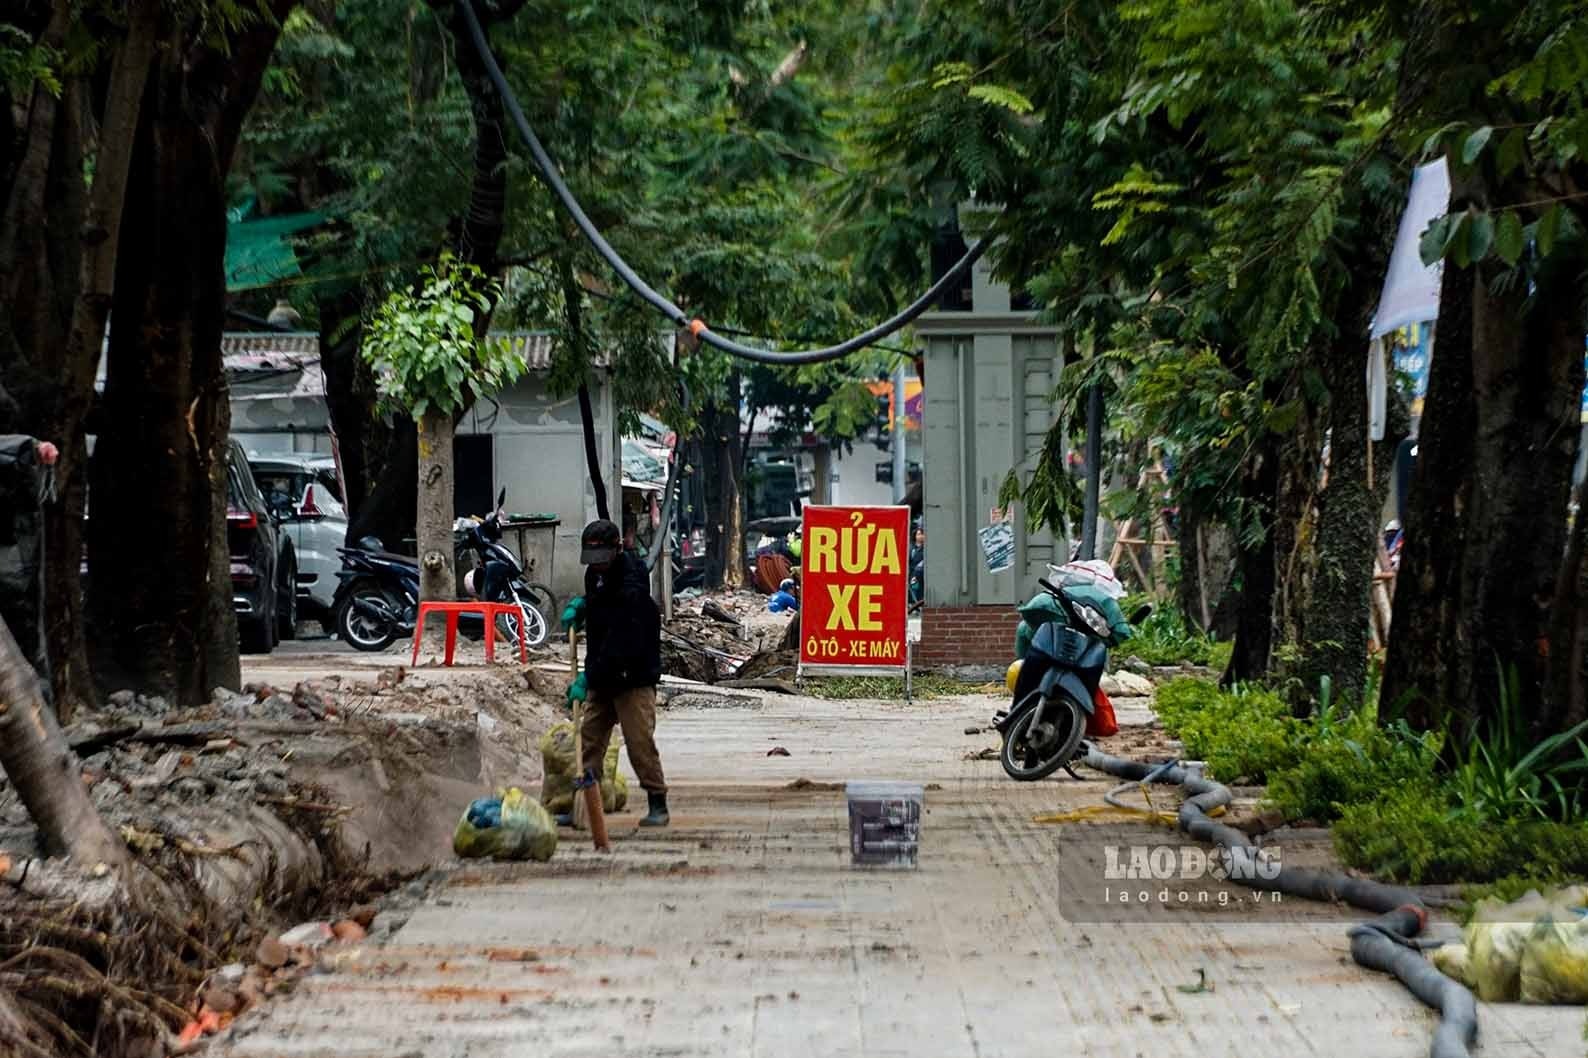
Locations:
1453 961
559 771
527 832
1496 938
1555 962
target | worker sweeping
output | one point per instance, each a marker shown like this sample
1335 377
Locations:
623 662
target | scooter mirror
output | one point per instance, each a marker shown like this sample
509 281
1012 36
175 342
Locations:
501 498
1140 614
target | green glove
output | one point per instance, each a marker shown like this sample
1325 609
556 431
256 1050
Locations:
576 691
573 613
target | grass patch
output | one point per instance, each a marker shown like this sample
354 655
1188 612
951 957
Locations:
926 685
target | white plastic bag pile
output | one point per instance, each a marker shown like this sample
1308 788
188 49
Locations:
1534 950
1093 571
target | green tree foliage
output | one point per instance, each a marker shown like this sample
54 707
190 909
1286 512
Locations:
426 351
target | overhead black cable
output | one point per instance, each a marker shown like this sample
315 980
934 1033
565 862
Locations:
548 171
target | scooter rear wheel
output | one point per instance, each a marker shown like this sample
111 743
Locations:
1030 754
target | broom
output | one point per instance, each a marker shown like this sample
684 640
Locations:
587 810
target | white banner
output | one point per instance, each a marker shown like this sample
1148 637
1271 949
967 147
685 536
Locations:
1411 288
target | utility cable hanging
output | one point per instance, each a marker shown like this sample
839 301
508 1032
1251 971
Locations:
696 327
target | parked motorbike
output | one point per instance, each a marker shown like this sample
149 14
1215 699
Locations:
377 601
498 577
1055 689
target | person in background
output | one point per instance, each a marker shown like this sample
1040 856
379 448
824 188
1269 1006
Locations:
786 598
918 565
623 662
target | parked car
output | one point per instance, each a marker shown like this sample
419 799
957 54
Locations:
689 559
263 563
307 491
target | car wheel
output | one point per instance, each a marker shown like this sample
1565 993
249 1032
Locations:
255 634
287 602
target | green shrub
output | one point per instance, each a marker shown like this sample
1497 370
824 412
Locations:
1504 772
1416 835
1243 735
1350 761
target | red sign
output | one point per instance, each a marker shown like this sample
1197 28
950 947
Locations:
854 586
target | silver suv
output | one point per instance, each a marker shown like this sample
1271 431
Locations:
308 488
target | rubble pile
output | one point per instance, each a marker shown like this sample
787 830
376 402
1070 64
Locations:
259 805
719 636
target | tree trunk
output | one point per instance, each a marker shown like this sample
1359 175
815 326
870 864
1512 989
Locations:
40 271
1191 592
822 472
1429 655
349 394
155 606
45 771
1256 567
71 676
388 511
1568 633
733 495
1336 613
713 446
1485 532
438 576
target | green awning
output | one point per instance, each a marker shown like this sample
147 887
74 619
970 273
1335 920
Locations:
260 252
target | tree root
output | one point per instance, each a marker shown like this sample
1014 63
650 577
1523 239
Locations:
42 1015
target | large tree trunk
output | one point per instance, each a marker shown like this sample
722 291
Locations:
1486 525
100 235
1429 652
1336 613
1256 566
45 771
438 575
155 583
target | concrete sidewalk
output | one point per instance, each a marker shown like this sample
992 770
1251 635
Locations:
742 930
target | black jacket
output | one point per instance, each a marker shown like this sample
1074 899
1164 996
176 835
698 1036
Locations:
623 629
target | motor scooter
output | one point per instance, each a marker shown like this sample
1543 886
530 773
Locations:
1055 688
377 600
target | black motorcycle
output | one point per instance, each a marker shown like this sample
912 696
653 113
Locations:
1054 689
378 598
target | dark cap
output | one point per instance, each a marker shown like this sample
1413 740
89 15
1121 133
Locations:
599 543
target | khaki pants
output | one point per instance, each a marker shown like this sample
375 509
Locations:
635 711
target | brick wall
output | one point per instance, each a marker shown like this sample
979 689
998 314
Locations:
966 635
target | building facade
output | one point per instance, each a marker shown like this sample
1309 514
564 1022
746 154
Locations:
990 369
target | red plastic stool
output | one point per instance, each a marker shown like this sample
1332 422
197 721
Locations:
488 610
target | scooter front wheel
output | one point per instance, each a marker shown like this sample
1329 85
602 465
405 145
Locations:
1036 748
362 630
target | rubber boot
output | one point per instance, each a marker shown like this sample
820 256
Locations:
658 815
